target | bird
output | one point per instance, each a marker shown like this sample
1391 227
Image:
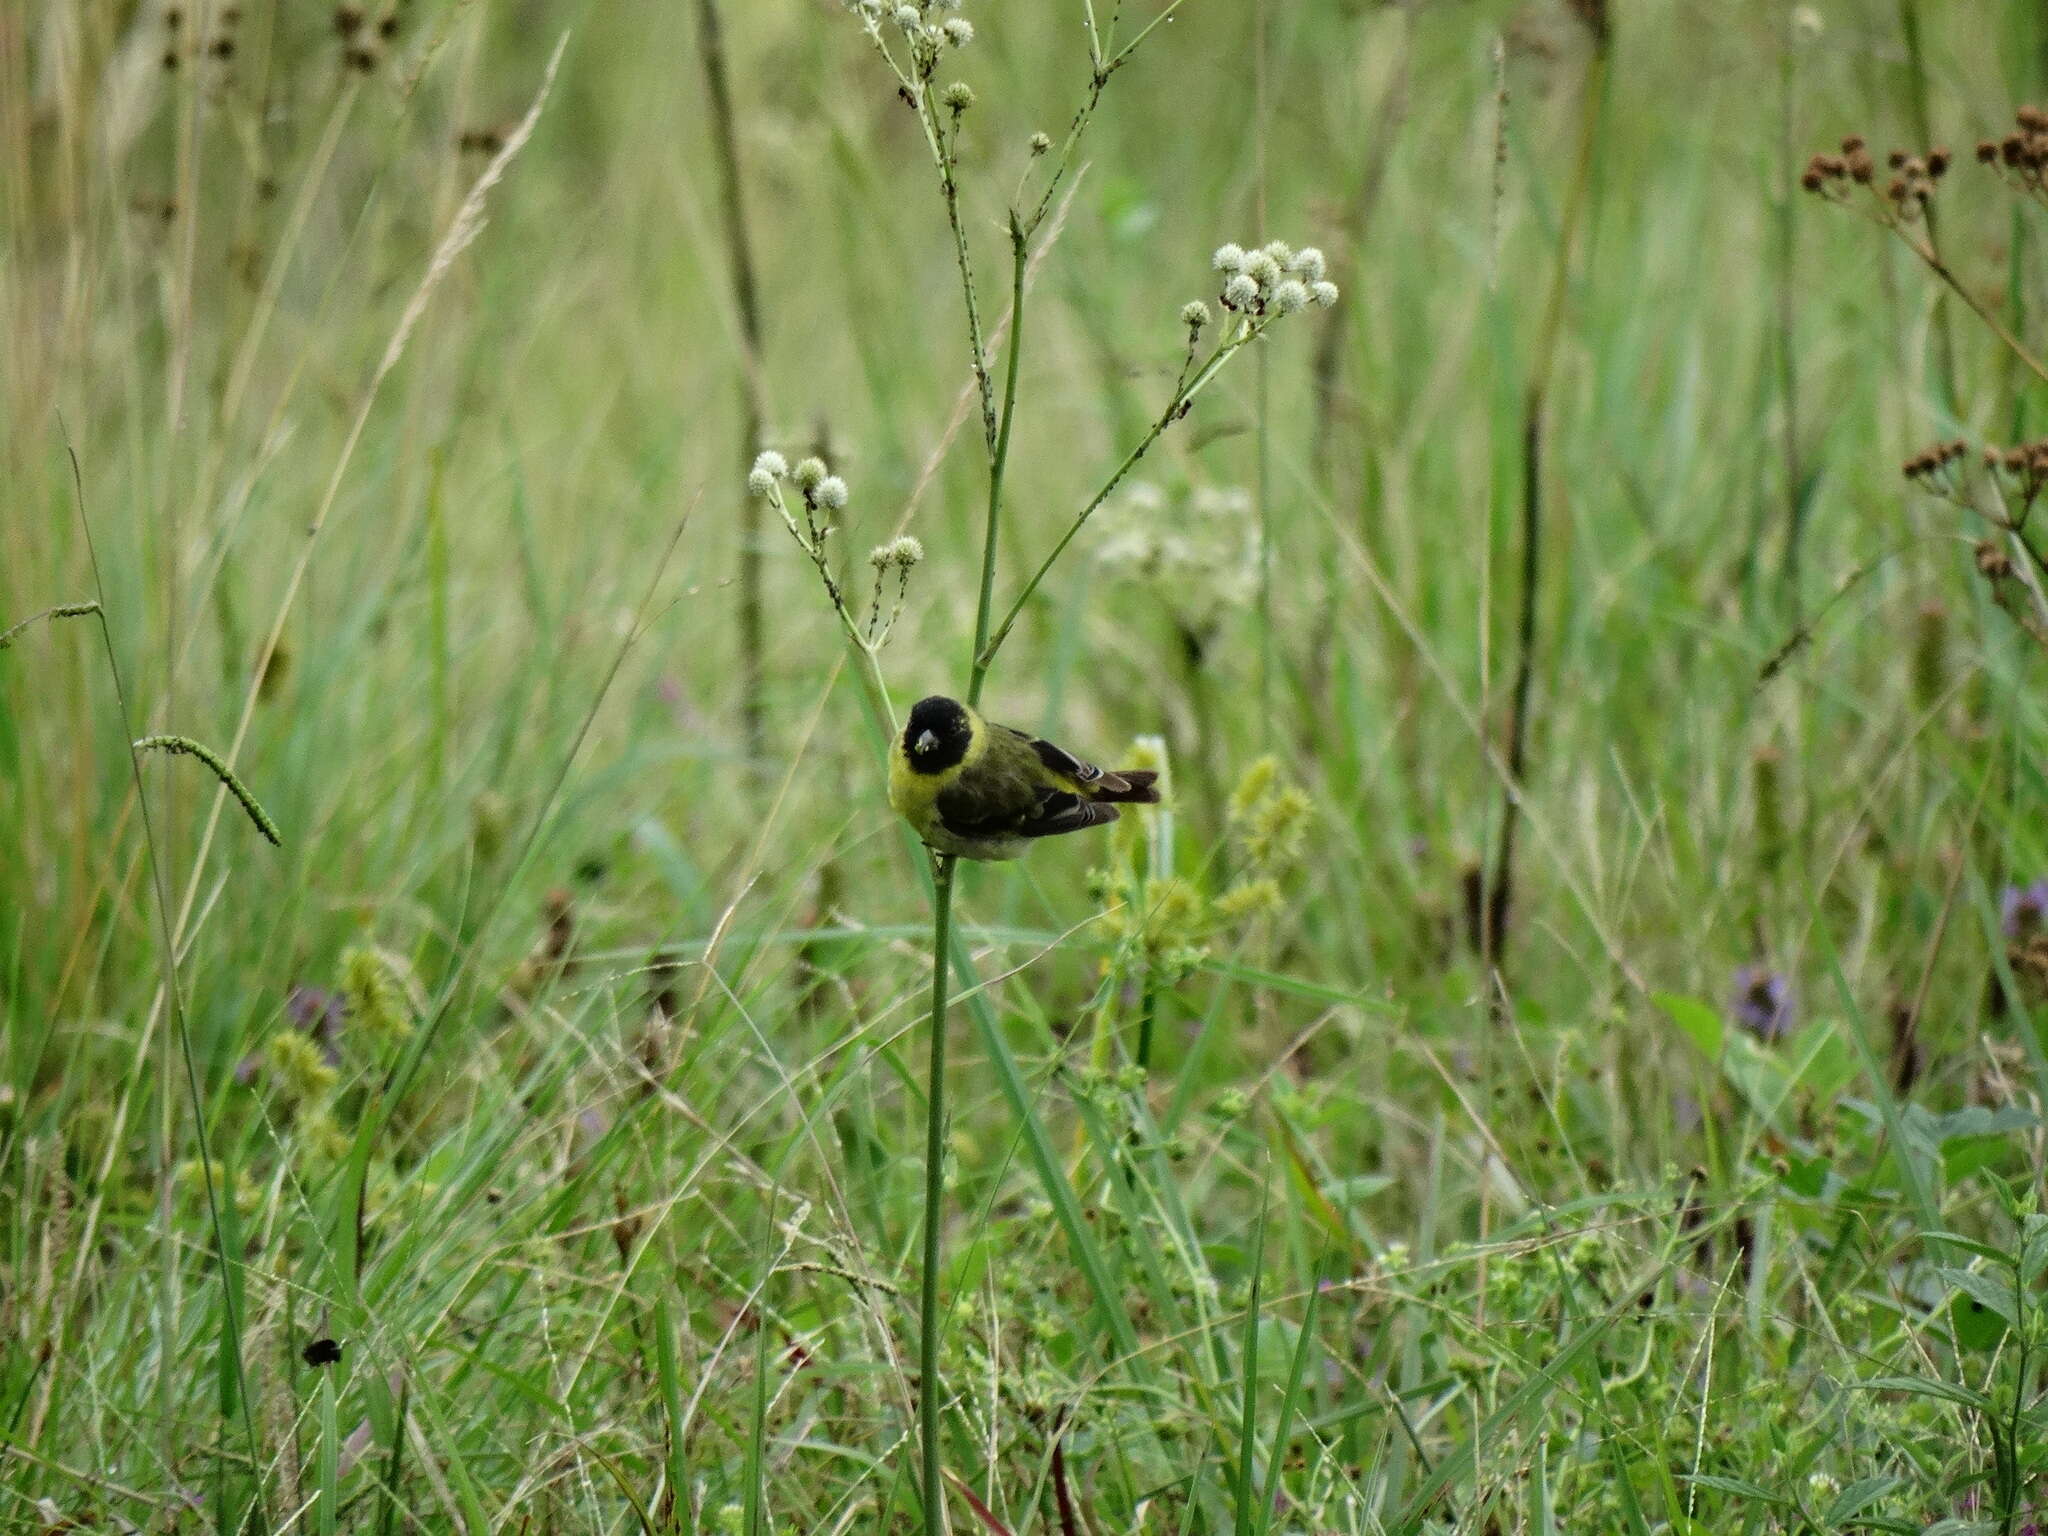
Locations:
977 790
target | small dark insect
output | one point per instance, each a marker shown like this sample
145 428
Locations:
321 1352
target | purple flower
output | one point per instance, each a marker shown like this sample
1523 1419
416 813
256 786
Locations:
1763 1002
2023 909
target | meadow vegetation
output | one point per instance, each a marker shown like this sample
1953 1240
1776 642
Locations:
1567 1056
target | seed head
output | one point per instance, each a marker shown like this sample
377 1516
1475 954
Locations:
1290 297
906 17
1323 294
958 96
1307 265
771 463
1263 267
959 31
1194 315
1241 292
808 473
1987 152
905 551
759 481
1040 143
831 493
1228 259
1281 252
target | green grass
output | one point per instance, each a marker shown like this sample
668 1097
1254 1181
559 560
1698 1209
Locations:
611 1193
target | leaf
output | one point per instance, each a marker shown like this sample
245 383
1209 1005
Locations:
1701 1024
1741 1488
1927 1386
1857 1497
1988 1290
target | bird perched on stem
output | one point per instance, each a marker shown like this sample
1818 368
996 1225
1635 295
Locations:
982 791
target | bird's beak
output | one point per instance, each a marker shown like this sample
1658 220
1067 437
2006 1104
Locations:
926 741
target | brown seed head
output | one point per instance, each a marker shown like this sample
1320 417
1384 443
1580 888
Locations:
2012 149
1812 179
1987 152
1852 144
1938 161
1993 563
348 20
1896 159
2031 118
1860 167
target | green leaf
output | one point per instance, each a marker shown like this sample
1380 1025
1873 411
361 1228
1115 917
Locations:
1700 1023
1741 1488
1857 1497
1927 1386
1992 1291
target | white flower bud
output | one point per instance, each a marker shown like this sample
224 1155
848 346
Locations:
1228 258
1323 294
759 481
831 493
808 473
906 17
770 463
1240 292
959 31
1262 268
1290 296
1040 143
1194 315
1307 265
958 96
906 551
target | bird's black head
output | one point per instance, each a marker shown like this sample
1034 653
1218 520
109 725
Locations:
938 733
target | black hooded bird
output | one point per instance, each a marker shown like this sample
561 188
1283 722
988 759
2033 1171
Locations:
982 791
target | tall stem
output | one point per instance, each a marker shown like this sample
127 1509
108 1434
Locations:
998 461
930 1397
746 295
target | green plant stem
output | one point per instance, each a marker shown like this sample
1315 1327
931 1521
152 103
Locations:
1496 907
1175 409
746 296
930 1397
998 463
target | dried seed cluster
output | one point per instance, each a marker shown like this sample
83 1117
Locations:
1906 192
2022 155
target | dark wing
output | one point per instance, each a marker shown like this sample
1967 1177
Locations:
1052 812
1061 761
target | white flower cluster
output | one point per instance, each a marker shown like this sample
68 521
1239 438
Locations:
926 24
1275 279
821 490
1197 549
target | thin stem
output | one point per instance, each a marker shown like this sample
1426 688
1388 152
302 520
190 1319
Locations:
930 1397
1176 408
1496 908
746 295
978 664
949 189
178 1032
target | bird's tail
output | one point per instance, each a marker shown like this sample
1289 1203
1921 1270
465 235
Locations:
1134 786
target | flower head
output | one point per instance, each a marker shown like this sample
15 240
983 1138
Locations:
2023 909
830 493
759 481
770 463
1289 297
1322 294
1228 258
959 31
808 473
1307 265
1762 1002
1194 315
958 96
1241 292
1040 143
